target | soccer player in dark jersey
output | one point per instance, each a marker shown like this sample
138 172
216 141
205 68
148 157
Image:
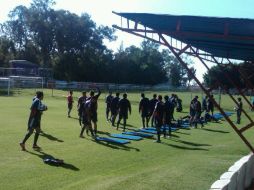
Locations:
173 100
238 109
34 121
152 103
94 105
108 101
81 100
86 115
69 103
124 107
210 106
192 111
168 107
158 114
144 110
114 108
198 110
204 104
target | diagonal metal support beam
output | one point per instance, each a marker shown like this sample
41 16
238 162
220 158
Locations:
246 127
176 51
238 89
207 93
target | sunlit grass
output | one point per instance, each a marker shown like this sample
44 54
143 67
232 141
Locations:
191 159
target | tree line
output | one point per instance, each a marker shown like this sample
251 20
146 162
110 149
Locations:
73 47
228 76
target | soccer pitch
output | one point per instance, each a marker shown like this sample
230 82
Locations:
191 159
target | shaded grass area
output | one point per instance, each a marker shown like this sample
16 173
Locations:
191 159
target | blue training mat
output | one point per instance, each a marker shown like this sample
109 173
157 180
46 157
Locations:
185 125
148 131
154 129
113 140
130 137
220 116
138 134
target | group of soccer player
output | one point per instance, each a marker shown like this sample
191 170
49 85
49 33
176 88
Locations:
154 110
158 110
161 113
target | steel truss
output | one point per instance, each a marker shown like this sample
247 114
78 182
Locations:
178 48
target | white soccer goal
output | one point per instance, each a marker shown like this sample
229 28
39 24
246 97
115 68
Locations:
26 82
20 82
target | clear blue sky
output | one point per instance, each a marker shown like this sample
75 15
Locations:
101 11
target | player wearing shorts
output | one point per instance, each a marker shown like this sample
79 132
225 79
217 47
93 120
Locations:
34 122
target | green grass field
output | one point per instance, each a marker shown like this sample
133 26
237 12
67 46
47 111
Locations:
191 159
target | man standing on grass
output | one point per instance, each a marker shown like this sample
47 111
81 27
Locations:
144 110
81 100
69 102
204 104
210 106
34 122
198 110
114 108
124 107
168 107
86 114
152 103
238 109
108 101
94 105
158 114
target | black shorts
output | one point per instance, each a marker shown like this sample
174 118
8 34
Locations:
86 121
145 114
94 117
114 111
70 106
34 123
123 115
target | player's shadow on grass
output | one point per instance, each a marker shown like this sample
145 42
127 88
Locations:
116 146
74 118
184 147
50 137
190 143
103 133
129 125
215 130
44 155
182 133
120 128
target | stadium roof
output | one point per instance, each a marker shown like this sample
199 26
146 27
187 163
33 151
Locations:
222 37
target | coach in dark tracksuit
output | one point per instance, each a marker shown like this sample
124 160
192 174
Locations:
124 106
158 114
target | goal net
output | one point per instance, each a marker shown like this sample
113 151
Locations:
17 83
